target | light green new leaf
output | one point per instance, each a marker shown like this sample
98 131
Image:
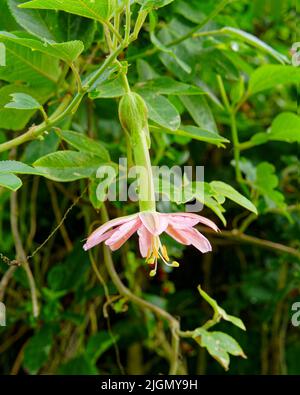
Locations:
218 311
162 111
209 200
255 42
285 127
94 9
219 345
85 144
67 51
195 133
10 181
11 119
229 192
269 76
65 166
22 101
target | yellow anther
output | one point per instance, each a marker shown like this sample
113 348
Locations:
152 273
148 254
165 252
155 253
175 264
151 261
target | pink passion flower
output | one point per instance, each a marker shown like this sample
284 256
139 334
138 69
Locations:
149 226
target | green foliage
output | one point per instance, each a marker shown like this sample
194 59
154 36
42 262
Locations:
97 10
219 345
270 76
205 83
67 165
22 101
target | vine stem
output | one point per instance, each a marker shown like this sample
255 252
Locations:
236 147
20 252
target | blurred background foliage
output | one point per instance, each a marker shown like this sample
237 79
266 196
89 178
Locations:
247 276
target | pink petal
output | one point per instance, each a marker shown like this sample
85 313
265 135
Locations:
122 234
95 241
197 217
177 235
156 223
197 240
95 238
180 222
145 241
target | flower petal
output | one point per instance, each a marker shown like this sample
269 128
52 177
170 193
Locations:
197 217
156 223
177 235
180 222
96 237
122 234
145 241
197 240
95 241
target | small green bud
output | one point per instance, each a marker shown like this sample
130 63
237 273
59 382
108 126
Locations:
133 114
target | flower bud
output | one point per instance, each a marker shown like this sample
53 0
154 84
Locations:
133 114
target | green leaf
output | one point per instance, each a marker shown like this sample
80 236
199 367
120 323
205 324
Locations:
153 4
108 89
229 192
255 42
168 86
67 51
98 344
159 45
237 91
200 111
37 350
31 20
11 119
162 111
98 10
80 365
194 132
269 76
219 345
22 101
14 167
285 127
10 181
65 166
221 312
32 67
99 187
267 182
85 144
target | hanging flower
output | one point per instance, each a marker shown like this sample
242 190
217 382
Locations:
149 226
